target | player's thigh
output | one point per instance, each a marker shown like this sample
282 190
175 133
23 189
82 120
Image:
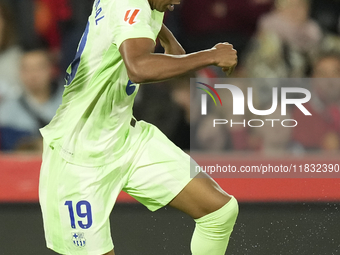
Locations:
160 170
163 174
201 196
76 202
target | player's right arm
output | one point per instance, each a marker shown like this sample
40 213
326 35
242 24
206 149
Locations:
143 65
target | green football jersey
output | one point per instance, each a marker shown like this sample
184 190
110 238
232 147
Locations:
92 124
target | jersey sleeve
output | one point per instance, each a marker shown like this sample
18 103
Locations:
131 19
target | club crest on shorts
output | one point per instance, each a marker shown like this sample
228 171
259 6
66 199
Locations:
79 239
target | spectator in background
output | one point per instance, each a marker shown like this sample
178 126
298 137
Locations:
211 139
50 23
56 24
21 118
49 17
286 42
60 24
155 105
321 131
221 137
207 22
180 95
72 28
276 140
10 54
327 14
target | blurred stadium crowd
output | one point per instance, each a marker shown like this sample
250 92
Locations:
274 39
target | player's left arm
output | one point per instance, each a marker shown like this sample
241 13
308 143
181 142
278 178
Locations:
169 42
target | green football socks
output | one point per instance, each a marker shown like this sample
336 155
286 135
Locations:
212 232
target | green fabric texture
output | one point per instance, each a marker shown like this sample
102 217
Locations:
212 232
91 127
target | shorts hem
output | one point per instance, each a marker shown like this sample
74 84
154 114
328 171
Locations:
171 196
96 252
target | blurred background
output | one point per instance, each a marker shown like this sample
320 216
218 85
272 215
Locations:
274 39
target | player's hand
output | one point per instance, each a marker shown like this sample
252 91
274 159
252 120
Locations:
229 70
225 56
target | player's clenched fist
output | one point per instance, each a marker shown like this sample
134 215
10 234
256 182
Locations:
225 56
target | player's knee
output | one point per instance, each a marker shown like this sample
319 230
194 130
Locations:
222 221
228 214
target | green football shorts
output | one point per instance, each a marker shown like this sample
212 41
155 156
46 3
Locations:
76 201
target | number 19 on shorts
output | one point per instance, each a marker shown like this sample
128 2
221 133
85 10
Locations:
83 210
